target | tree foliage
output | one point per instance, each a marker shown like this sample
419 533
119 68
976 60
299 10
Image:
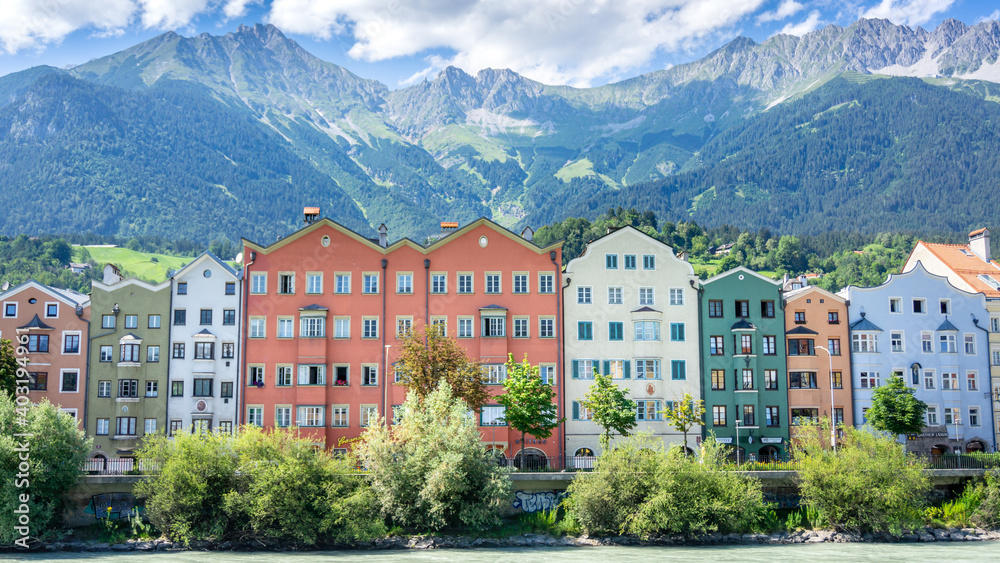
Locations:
685 414
430 470
427 357
529 402
895 409
8 368
610 408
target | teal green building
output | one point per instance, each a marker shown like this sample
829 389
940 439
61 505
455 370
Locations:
744 381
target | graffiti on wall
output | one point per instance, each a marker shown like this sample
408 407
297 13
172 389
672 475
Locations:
536 501
115 506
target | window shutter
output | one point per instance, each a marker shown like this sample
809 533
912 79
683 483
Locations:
576 373
576 410
303 375
628 369
607 367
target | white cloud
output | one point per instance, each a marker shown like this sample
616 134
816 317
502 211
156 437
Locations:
236 8
810 24
435 65
170 14
568 42
990 18
786 9
32 24
912 12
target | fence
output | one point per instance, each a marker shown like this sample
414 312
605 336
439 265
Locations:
122 466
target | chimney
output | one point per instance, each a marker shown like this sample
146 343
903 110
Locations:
979 243
310 215
383 235
528 234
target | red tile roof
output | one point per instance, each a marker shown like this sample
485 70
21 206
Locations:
967 266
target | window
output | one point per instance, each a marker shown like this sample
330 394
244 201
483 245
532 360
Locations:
492 283
286 284
465 327
648 262
131 321
716 346
747 379
863 342
312 327
946 344
614 296
206 317
258 283
770 345
972 381
180 317
584 330
895 305
546 327
310 416
719 415
256 376
369 375
583 369
312 375
152 353
838 380
869 379
745 344
615 369
833 345
465 283
647 330
342 283
201 426
629 261
128 388
314 282
771 417
945 306
339 415
676 295
70 382
178 351
647 369
800 416
802 380
71 344
176 388
404 283
951 416
10 310
718 380
919 306
403 326
228 350
615 331
994 324
583 295
255 416
548 374
494 327
369 283
715 308
204 350
521 327
770 379
226 389
973 416
104 388
678 370
677 332
38 343
801 347
647 410
202 388
230 288
926 344
107 321
611 261
767 309
838 415
439 283
748 416
929 379
970 344
154 321
103 425
283 376
742 308
800 317
493 415
182 288
949 381
130 353
369 414
125 426
833 317
995 355
370 328
546 283
646 296
106 353
494 374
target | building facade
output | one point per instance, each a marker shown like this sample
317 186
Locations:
127 383
631 313
205 338
325 308
744 377
919 327
970 268
51 325
818 357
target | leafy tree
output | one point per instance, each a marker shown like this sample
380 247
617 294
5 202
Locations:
8 368
431 469
428 357
57 448
528 401
685 414
895 409
609 407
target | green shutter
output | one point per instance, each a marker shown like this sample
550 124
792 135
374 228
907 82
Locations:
576 369
576 410
628 369
607 367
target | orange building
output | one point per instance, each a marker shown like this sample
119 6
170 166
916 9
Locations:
325 306
54 326
816 329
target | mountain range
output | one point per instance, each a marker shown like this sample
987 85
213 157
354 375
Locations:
869 127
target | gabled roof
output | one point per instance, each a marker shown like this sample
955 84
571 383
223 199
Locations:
165 284
629 230
947 326
313 307
960 259
809 290
207 255
203 333
646 309
67 296
494 306
36 323
741 269
130 336
865 325
801 330
743 324
918 269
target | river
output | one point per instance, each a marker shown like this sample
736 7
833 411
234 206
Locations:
951 552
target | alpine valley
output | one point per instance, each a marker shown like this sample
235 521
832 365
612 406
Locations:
869 128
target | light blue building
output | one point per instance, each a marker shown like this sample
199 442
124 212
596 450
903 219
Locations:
934 335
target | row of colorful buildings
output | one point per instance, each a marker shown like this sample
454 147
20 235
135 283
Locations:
306 334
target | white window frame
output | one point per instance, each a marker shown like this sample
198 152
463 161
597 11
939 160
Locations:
677 296
584 295
342 327
258 283
342 283
314 283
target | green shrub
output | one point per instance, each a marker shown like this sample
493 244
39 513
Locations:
987 513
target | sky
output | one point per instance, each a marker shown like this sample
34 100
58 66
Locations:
402 42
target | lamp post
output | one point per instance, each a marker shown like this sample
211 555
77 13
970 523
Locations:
385 381
956 417
738 438
833 420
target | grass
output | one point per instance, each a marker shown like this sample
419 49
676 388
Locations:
143 265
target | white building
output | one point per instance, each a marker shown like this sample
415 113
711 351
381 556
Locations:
204 388
631 311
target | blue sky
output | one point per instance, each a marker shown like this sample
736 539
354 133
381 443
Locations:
399 42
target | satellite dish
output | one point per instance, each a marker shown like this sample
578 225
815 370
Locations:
239 257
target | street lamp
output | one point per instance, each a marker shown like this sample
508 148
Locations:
738 438
956 417
833 420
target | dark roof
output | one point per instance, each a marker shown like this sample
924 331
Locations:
313 307
946 325
801 330
203 332
37 323
646 310
130 335
743 324
865 324
493 307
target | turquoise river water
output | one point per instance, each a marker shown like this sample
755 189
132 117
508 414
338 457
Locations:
937 552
